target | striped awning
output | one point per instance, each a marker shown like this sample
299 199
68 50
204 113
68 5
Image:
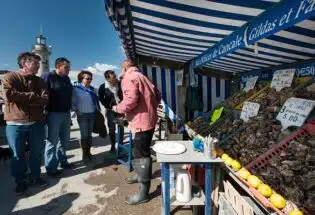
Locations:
183 30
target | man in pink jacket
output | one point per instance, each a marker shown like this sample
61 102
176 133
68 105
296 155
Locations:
139 104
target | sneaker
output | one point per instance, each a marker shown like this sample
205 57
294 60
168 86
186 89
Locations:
21 188
38 182
57 174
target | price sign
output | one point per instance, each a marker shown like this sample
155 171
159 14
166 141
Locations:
216 115
294 112
250 83
282 78
179 77
250 109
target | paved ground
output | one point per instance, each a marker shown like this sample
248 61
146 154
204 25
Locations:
97 188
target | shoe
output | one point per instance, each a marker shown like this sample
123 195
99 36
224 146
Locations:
132 180
56 174
38 182
88 150
84 145
21 188
141 196
66 165
143 169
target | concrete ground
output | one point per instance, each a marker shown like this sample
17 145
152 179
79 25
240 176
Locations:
97 188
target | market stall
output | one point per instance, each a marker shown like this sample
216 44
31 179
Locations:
264 131
265 136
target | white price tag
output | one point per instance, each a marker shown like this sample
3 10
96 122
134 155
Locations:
250 109
179 77
250 83
282 78
294 112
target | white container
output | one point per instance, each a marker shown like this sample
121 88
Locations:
183 186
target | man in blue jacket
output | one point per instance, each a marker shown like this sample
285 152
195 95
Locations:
59 119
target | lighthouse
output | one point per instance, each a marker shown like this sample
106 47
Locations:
41 49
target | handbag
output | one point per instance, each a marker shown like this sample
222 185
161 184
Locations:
99 125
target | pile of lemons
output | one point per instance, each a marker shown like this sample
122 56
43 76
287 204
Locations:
276 199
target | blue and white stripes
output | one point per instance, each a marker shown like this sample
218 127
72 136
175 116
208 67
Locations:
214 90
164 79
181 30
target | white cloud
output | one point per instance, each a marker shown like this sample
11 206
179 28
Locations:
101 68
73 75
122 52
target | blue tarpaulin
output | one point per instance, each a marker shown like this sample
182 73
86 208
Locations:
302 70
277 32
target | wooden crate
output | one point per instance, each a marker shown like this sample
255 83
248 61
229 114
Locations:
225 208
239 204
258 94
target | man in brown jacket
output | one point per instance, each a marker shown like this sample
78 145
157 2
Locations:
25 96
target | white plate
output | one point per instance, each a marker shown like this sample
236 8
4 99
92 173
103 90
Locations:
169 148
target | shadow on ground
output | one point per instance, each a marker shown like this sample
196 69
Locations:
58 205
8 200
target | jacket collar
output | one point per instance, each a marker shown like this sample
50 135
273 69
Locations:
21 72
131 70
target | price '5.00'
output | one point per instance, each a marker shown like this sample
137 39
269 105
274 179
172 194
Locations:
294 112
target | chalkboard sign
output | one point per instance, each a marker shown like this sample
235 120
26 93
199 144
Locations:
250 109
250 83
282 78
294 112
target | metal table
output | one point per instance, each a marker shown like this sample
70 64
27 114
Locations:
188 157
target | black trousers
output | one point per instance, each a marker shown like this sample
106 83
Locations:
141 144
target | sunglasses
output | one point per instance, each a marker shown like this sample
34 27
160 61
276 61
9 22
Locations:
89 79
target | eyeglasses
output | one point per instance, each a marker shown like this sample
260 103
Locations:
89 79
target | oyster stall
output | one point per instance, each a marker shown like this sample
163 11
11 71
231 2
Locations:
240 73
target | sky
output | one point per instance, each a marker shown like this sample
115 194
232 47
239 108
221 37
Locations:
76 29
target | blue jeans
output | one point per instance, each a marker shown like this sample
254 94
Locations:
58 138
17 136
86 123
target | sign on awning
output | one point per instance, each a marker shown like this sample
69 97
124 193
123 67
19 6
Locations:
284 15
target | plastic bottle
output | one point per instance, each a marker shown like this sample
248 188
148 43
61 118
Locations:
213 148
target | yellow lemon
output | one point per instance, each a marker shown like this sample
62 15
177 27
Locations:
277 200
296 212
253 181
244 173
228 161
236 165
224 157
265 190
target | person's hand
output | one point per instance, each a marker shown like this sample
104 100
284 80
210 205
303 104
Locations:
114 108
121 116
